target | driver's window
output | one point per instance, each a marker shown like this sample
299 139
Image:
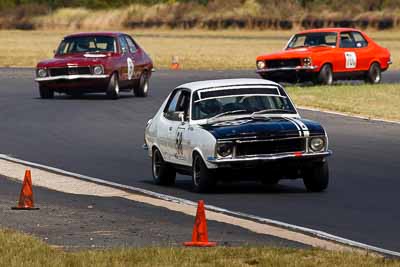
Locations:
179 102
346 40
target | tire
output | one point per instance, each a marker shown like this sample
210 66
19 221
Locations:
374 74
316 179
142 88
113 87
45 92
163 174
325 75
202 178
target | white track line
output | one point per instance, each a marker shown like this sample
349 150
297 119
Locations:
320 234
348 115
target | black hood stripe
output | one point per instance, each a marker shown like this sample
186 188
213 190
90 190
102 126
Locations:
295 124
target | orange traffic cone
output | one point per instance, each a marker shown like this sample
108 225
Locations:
200 235
26 196
175 63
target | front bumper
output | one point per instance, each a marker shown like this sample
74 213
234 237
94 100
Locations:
297 68
71 77
269 158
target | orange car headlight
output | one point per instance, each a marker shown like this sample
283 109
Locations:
307 61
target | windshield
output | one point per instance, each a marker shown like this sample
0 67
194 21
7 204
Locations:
87 44
231 102
313 39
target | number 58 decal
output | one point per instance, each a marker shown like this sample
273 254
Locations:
351 60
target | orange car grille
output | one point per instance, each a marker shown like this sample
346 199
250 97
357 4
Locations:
272 64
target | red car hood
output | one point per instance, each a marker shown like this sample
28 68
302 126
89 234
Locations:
75 59
295 53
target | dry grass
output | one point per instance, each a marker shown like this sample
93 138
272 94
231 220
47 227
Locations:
21 250
374 101
196 49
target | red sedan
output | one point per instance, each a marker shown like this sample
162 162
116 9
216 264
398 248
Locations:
325 55
108 62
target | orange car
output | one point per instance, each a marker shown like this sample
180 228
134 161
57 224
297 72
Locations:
325 55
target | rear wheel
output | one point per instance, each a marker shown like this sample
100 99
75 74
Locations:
374 74
113 87
142 89
325 75
45 92
316 179
163 174
202 178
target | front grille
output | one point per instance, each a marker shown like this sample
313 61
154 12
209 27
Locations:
272 64
70 71
270 147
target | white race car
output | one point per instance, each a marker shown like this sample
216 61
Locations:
235 129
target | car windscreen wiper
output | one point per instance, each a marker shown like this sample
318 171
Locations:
228 113
276 110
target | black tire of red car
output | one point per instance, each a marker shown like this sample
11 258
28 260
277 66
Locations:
113 87
203 179
325 75
374 74
316 178
142 88
45 92
163 173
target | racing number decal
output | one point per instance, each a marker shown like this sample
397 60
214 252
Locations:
351 60
178 143
131 68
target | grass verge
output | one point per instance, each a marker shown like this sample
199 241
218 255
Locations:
196 49
21 250
373 101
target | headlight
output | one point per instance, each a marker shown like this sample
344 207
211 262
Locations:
98 70
317 144
224 149
41 73
260 64
307 61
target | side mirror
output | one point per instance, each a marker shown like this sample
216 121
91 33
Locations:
123 50
181 116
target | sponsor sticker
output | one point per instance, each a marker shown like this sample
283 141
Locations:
351 60
131 68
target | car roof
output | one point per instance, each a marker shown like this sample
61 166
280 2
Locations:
329 30
208 84
111 34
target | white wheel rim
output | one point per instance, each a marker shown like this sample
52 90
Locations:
116 87
146 87
377 75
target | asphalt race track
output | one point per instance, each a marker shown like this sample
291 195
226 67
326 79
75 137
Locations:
103 138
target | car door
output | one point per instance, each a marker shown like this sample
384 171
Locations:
363 51
179 135
135 54
169 122
124 66
348 52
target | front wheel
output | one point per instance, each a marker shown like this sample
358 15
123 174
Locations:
316 179
163 174
202 178
113 87
45 92
142 89
325 75
374 74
